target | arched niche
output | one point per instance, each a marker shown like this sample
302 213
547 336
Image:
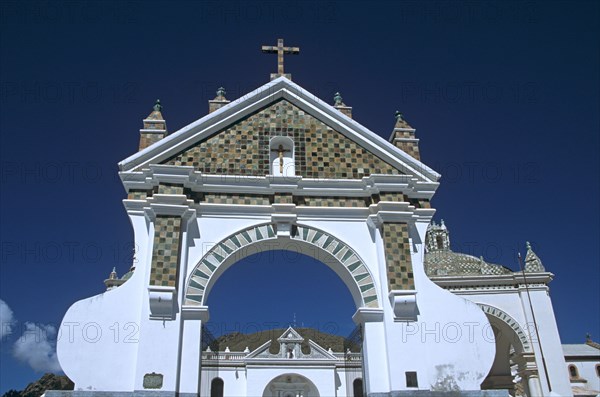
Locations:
281 155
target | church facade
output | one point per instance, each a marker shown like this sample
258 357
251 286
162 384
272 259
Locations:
279 169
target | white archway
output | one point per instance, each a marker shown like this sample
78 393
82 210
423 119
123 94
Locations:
511 343
291 385
304 239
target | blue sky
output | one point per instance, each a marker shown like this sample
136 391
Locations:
504 97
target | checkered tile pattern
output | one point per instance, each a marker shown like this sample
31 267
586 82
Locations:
147 139
402 130
169 189
230 198
320 152
397 256
354 202
283 198
138 194
165 253
420 203
410 148
392 196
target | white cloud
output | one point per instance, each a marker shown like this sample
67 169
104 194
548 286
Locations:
7 320
37 347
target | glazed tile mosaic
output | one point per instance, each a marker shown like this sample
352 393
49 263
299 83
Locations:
397 256
391 196
169 189
165 252
320 152
334 201
229 198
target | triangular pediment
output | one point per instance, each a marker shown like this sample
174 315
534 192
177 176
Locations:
290 335
234 140
262 351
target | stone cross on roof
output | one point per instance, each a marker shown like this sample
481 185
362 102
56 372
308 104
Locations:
280 50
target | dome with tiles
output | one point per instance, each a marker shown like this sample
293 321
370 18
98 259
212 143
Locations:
440 260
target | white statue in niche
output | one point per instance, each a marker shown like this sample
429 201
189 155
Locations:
282 156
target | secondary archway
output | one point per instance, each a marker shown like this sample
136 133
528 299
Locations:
291 385
511 343
304 239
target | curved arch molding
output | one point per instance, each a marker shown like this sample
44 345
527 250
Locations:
204 270
511 322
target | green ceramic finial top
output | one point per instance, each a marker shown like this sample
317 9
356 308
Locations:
157 106
221 92
337 98
398 115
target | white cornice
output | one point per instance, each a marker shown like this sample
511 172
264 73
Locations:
261 97
376 214
152 131
513 281
198 182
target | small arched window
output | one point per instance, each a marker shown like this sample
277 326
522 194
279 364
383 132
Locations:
573 373
440 242
216 387
598 370
357 387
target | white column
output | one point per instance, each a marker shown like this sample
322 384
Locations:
374 351
551 367
533 383
528 371
191 352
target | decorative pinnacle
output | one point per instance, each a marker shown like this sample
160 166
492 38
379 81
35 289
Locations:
157 106
221 92
337 98
528 245
398 116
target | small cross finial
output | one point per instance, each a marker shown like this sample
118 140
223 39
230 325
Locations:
398 115
337 98
280 50
221 92
157 106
